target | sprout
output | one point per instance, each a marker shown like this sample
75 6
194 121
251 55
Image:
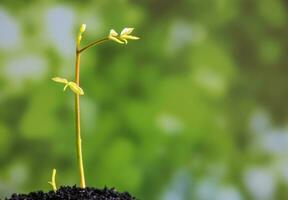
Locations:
53 180
74 86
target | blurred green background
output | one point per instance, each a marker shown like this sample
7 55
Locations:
196 109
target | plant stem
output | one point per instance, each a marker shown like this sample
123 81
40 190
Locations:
77 120
77 106
93 44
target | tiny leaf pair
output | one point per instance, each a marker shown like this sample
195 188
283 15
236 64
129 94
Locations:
72 85
123 37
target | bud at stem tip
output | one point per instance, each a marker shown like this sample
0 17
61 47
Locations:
83 28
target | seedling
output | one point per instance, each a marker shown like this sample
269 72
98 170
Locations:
53 180
123 38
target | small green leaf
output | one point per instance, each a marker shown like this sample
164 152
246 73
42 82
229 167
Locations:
75 88
60 80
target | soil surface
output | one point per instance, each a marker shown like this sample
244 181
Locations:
75 193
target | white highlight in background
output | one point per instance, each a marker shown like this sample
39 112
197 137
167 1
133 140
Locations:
59 27
10 36
28 67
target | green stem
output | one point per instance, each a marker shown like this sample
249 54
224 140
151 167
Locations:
77 121
93 44
77 107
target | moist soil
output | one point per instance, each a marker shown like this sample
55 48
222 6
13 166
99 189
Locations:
75 193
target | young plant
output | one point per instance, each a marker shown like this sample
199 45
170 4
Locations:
78 91
53 180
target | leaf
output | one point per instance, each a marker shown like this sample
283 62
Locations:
116 40
75 88
113 33
126 31
60 80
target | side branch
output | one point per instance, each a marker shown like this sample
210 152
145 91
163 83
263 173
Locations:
93 44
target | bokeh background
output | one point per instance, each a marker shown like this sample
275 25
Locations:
196 109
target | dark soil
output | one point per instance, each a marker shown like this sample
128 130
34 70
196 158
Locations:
74 193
